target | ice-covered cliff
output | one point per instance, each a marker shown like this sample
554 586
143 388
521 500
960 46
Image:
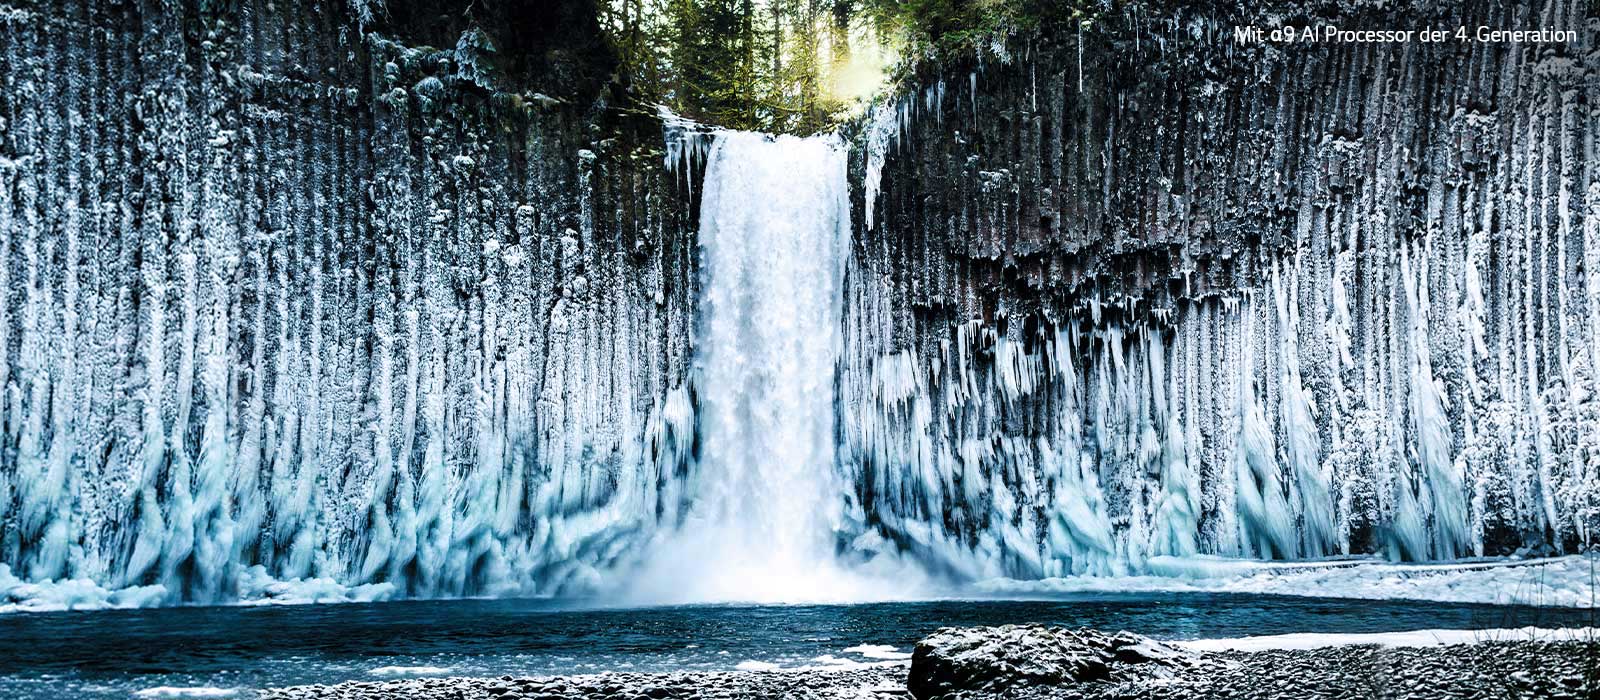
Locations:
286 295
1144 290
281 293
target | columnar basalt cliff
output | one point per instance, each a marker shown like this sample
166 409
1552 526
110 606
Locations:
284 288
1149 291
288 295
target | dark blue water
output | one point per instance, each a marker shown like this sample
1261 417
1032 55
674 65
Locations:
117 653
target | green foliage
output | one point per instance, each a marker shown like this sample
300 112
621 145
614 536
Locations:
751 64
793 65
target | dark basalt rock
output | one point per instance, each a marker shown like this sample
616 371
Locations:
995 658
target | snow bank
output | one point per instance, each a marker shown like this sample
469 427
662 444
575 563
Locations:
17 595
1416 638
253 585
1562 582
875 655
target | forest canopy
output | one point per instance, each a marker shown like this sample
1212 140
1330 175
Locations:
795 66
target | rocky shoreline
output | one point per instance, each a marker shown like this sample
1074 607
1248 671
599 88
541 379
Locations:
1036 663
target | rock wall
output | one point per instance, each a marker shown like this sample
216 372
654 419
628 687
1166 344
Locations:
1140 290
286 297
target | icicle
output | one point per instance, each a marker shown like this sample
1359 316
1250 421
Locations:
883 132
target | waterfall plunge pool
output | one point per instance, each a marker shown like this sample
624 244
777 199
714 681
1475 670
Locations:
228 651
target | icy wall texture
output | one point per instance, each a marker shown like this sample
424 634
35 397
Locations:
280 294
1158 294
286 295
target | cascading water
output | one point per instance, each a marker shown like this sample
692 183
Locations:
774 226
774 233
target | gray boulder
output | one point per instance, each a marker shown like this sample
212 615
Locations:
995 658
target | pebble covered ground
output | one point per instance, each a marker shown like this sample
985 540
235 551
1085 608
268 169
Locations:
869 683
1487 670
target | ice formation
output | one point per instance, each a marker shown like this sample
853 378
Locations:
1097 446
1090 331
290 314
266 336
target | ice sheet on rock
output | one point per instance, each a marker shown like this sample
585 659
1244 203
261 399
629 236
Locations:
687 144
1092 447
373 350
253 587
257 588
882 135
1564 581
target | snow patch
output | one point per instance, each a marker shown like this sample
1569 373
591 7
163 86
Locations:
1415 638
826 662
410 671
186 692
878 651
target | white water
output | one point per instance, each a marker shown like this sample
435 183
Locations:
774 233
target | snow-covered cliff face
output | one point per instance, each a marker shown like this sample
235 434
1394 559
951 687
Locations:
285 297
275 293
1158 293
